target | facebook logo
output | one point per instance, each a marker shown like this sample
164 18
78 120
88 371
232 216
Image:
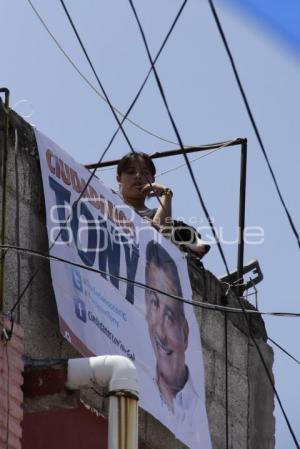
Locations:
80 309
77 281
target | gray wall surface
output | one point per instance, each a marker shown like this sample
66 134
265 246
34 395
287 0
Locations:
251 422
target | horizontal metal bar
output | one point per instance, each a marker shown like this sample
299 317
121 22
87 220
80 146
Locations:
176 152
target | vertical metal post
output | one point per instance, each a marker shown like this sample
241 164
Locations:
6 92
243 174
4 190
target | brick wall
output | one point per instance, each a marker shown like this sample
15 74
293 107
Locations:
11 379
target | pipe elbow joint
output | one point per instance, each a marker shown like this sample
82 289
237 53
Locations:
113 371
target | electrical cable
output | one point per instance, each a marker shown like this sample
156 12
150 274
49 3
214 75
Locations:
48 256
283 350
247 317
132 103
128 111
12 310
201 304
95 73
107 147
268 373
161 90
88 82
102 87
251 117
280 197
191 161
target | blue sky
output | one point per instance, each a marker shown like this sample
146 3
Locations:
207 107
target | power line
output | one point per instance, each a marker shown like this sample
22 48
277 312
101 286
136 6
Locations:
201 304
120 124
191 161
269 376
48 256
85 79
106 149
195 303
161 90
280 197
107 99
283 350
251 117
96 75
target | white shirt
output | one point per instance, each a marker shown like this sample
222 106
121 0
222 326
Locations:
189 420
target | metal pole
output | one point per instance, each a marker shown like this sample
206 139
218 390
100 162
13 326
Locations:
243 173
6 92
167 153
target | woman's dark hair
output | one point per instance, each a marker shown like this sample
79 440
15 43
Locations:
124 162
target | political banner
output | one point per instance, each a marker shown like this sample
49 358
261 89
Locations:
103 304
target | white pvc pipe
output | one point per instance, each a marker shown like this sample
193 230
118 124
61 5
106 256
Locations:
119 375
113 371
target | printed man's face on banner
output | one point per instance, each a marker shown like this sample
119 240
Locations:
168 328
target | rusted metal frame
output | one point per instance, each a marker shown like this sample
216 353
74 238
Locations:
242 199
159 154
4 154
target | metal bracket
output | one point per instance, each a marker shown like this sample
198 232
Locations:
233 280
6 92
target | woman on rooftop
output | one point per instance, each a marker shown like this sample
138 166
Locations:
136 178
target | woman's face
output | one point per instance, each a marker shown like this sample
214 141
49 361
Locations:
134 177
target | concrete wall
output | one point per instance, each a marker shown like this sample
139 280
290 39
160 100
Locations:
250 397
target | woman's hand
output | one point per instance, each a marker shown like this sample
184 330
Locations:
153 189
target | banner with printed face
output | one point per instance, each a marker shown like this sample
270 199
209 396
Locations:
102 310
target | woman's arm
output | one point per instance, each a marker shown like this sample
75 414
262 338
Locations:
163 215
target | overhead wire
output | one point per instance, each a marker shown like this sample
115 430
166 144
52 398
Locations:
196 304
104 91
191 161
162 93
165 139
298 243
269 376
120 124
86 80
292 225
106 149
202 304
48 256
283 350
252 120
196 186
